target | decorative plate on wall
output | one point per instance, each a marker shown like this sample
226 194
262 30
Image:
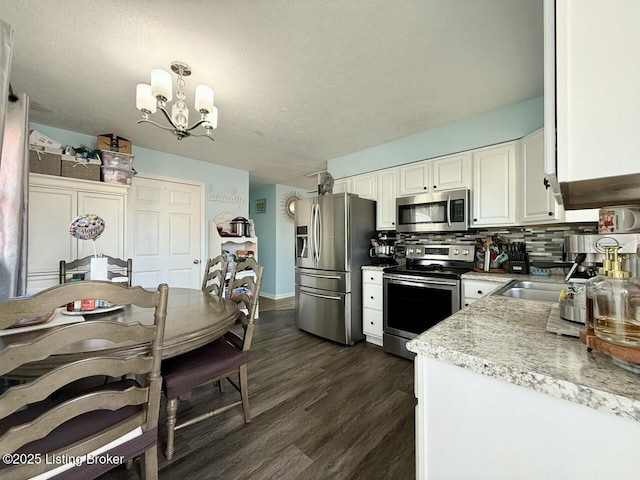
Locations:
288 204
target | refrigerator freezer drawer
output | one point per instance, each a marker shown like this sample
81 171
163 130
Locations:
324 279
324 313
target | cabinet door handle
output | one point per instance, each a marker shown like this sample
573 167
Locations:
551 214
371 323
196 261
435 186
479 292
372 297
393 223
466 304
371 278
424 187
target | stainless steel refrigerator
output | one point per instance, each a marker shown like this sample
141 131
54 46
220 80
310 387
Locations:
332 244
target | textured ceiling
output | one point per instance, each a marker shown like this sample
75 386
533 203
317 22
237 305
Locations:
296 83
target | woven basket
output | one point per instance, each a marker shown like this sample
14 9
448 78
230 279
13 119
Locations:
80 170
43 162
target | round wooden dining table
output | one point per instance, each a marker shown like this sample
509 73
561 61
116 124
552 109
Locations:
194 318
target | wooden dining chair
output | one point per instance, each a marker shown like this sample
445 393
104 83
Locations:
53 416
221 359
127 265
214 275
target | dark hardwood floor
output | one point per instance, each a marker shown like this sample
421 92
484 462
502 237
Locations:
319 411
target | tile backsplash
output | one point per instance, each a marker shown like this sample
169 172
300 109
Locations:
544 242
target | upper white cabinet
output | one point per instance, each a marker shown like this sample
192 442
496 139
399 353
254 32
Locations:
414 178
537 204
386 205
451 172
591 64
342 185
494 185
366 186
53 203
597 88
435 175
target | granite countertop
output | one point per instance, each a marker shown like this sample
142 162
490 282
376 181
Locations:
376 267
507 277
506 338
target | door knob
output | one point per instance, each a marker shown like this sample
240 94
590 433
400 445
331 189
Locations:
196 261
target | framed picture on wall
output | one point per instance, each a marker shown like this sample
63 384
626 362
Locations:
261 205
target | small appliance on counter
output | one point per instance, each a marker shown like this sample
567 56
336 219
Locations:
593 248
383 249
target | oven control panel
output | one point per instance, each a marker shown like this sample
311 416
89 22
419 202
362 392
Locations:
462 252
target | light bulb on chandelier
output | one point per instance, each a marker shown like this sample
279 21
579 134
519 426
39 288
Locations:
150 98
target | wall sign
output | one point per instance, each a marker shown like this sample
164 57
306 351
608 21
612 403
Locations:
217 197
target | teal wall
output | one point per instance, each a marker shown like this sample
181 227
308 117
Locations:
502 125
285 258
275 239
266 231
224 181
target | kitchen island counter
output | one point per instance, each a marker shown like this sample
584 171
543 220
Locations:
520 402
506 338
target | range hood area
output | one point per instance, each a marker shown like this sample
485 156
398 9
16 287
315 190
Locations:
601 192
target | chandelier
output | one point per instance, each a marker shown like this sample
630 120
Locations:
150 98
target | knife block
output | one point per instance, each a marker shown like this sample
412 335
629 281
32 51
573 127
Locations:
519 264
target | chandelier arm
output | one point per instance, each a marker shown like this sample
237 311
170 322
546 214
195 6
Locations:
196 125
144 120
203 135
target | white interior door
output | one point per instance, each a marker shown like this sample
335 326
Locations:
165 232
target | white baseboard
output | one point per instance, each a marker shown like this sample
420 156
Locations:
280 296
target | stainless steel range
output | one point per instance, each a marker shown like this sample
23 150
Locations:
423 292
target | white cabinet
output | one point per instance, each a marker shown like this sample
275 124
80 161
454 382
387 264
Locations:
451 172
474 290
53 203
591 101
372 305
537 204
414 178
366 186
597 94
494 186
386 202
435 175
342 185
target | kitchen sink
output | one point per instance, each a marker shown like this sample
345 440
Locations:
531 290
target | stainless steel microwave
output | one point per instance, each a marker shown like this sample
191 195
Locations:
433 212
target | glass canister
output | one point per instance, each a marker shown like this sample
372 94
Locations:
591 306
617 310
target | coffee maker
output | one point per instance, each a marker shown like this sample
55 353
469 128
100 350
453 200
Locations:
588 252
383 249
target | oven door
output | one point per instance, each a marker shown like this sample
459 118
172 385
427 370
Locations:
413 304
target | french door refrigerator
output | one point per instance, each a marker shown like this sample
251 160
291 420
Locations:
332 244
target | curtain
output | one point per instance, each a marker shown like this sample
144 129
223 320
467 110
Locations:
14 177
